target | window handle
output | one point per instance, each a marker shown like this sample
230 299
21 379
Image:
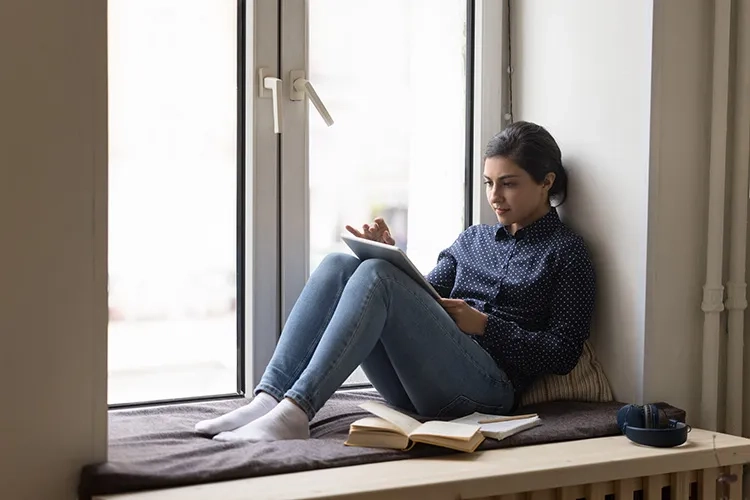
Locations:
301 87
274 85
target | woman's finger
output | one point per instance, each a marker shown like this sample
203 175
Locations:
381 222
388 238
354 231
456 308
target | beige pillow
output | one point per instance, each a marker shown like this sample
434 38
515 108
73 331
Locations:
586 382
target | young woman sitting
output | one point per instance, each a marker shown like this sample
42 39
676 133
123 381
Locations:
518 297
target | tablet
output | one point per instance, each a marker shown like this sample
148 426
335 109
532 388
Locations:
368 249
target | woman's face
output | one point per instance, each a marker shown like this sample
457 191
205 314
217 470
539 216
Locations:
513 194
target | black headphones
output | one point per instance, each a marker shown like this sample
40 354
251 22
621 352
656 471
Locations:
650 426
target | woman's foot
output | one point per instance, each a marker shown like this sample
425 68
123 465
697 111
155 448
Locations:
259 406
285 421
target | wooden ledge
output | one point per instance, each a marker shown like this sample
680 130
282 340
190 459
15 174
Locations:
476 475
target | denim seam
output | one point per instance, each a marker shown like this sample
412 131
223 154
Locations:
302 402
306 402
313 345
465 353
482 406
370 295
277 394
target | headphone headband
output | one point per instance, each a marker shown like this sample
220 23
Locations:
649 426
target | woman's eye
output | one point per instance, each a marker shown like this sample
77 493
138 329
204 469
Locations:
487 183
509 184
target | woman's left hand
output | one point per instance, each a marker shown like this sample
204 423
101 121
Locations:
468 319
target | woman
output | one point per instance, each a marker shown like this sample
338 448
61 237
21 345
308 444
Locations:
517 303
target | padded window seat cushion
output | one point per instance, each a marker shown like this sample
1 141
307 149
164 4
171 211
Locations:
156 447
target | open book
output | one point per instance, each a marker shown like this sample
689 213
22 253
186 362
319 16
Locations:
392 429
497 427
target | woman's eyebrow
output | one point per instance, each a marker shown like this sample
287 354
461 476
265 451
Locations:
502 177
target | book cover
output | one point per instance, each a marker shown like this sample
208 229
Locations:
392 429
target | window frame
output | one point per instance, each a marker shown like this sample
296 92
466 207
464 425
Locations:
262 257
487 104
492 90
257 261
272 262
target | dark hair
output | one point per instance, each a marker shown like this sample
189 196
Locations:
532 148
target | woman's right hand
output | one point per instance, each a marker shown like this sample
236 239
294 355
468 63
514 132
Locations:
377 231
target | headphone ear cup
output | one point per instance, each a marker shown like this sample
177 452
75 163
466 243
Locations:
662 419
622 418
654 417
648 417
630 416
650 426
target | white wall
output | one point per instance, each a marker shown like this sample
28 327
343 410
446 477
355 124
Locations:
53 310
625 89
585 74
678 202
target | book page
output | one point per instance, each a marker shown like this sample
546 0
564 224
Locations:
449 430
454 444
499 429
403 422
376 424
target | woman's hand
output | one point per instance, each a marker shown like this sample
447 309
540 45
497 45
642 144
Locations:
378 231
468 319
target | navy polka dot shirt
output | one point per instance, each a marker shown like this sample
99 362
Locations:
537 288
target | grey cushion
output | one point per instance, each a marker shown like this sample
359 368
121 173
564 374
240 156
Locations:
156 447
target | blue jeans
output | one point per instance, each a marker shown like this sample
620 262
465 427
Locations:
370 313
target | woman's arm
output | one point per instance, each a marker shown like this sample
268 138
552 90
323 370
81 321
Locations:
443 275
557 348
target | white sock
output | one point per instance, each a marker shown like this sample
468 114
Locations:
286 421
259 406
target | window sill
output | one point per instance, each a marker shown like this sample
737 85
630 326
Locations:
596 467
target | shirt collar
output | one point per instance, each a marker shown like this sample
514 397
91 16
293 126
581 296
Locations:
541 227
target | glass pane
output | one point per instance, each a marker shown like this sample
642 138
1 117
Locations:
172 198
392 74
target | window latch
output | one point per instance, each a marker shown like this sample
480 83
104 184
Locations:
269 86
301 87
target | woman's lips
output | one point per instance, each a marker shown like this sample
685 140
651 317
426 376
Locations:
501 211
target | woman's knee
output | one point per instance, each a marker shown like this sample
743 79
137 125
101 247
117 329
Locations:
376 268
340 262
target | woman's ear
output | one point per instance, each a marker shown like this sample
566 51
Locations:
549 180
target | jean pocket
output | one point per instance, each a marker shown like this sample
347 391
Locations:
462 405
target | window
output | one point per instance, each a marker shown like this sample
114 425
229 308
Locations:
172 199
217 220
395 81
393 75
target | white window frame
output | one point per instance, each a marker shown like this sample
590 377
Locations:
491 90
258 308
262 259
277 246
